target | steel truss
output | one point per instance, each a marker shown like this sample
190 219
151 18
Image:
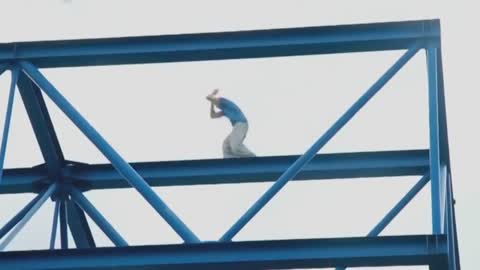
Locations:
65 181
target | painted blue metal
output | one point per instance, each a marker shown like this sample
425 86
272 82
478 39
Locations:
63 225
397 208
42 126
437 213
453 219
44 196
442 113
228 45
117 161
260 169
24 180
54 225
449 231
300 162
226 171
279 254
19 216
78 224
98 218
8 117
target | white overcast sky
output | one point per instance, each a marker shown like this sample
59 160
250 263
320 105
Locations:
158 112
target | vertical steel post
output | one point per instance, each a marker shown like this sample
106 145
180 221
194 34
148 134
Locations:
63 225
437 213
454 225
44 196
8 118
117 161
98 218
307 156
451 230
54 225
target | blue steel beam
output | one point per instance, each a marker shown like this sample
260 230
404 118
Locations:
98 218
442 112
297 166
259 169
78 224
451 229
42 126
8 117
437 185
28 215
63 225
24 180
454 221
53 236
279 254
227 171
227 45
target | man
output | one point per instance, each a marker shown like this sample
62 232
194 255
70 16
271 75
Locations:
233 146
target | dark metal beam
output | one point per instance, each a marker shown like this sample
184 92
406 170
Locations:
259 169
278 254
226 45
24 180
226 171
53 235
42 125
63 225
78 224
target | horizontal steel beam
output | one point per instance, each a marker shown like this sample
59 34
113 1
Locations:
24 180
278 254
227 171
226 45
259 169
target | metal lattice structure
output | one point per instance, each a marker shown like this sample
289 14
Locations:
65 181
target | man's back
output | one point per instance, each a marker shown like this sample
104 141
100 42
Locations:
232 111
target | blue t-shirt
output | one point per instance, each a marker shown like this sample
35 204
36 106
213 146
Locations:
231 111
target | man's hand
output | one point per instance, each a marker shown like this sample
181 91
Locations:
211 97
